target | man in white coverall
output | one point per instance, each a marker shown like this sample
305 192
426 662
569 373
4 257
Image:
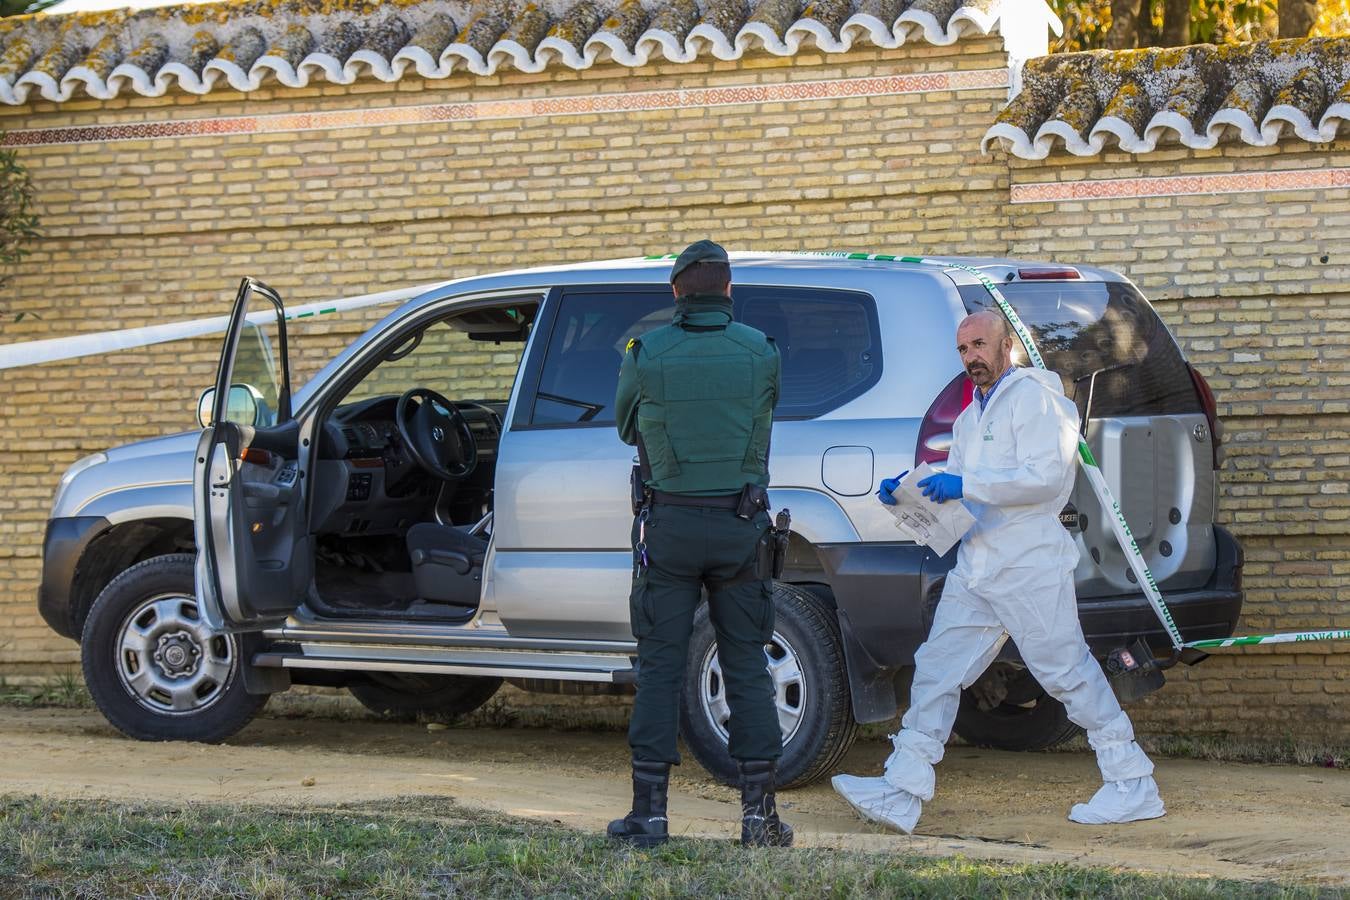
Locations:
1013 461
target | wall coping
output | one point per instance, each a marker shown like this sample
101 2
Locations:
244 44
1140 100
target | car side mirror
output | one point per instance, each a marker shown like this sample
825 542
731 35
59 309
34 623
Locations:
243 405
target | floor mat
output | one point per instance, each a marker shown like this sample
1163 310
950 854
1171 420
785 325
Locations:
347 588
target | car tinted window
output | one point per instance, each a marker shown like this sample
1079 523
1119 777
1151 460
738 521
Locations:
585 349
827 340
1083 327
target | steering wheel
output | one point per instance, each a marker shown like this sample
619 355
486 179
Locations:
436 434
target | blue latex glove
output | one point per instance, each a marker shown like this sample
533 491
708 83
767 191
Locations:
942 487
888 486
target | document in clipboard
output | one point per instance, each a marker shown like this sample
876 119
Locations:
937 525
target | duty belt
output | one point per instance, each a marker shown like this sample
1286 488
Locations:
727 501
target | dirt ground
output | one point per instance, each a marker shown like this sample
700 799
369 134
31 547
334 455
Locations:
1226 819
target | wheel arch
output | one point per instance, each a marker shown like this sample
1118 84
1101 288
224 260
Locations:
119 548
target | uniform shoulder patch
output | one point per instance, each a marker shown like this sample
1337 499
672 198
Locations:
633 344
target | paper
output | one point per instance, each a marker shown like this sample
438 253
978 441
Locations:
937 525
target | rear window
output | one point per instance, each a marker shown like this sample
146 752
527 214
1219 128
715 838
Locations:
1082 327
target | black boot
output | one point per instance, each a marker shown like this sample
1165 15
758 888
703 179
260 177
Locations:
760 825
646 825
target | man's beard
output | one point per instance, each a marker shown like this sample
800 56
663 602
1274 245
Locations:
975 373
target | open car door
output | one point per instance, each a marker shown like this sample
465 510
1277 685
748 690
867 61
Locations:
254 560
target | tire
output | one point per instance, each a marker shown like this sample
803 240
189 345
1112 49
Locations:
815 707
154 668
406 697
1027 718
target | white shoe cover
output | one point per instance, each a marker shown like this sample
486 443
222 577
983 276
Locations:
876 801
1118 802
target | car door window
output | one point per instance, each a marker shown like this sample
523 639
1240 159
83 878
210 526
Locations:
257 372
828 341
580 374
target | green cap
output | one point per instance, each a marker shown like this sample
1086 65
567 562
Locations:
698 252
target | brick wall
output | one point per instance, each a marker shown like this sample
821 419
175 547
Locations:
143 231
1255 284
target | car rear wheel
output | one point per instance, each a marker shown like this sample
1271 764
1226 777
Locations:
806 662
1020 715
154 667
406 697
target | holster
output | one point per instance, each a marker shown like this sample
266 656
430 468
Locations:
771 550
752 501
639 495
782 528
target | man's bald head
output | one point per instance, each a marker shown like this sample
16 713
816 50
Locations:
994 318
984 340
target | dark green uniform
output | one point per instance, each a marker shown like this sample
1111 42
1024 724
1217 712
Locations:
697 399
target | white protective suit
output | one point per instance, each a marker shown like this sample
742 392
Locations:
1013 576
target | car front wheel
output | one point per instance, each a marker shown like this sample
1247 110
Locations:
805 659
154 667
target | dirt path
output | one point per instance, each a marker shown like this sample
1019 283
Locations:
1234 820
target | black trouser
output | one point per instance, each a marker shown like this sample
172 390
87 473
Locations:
688 548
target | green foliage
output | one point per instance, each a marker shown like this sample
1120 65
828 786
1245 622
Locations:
1333 18
1231 21
21 7
18 221
65 690
1087 22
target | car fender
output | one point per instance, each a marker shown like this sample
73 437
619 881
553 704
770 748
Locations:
816 517
169 500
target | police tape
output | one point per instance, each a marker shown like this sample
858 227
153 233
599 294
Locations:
32 353
1293 637
1119 527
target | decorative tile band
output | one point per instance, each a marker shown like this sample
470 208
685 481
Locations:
801 91
1180 186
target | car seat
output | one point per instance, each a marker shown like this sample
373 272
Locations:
447 563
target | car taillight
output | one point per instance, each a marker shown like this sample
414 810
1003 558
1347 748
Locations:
935 433
1211 413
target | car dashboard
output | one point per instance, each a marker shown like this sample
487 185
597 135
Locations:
367 481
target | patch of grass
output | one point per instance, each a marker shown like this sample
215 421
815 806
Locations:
1286 750
1228 748
414 847
65 690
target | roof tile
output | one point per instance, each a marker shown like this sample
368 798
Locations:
244 43
1197 96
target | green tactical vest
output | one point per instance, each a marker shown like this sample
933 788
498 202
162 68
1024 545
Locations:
708 387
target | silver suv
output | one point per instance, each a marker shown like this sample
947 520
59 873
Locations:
445 505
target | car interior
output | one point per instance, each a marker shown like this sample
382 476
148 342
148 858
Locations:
402 505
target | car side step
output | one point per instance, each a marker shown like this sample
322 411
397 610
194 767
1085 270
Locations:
604 668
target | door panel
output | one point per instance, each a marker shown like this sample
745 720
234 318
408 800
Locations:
254 560
563 562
